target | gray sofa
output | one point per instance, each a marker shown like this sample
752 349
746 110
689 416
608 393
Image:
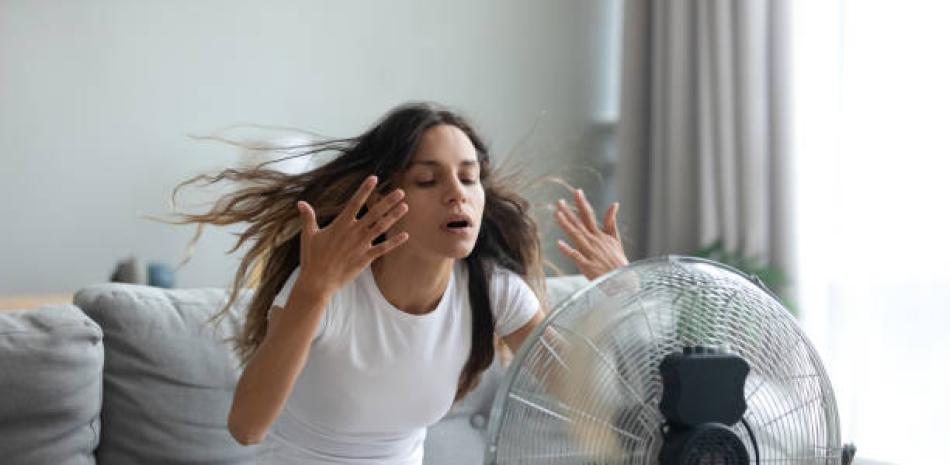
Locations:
130 375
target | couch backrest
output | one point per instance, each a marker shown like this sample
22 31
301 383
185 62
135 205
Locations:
168 377
51 361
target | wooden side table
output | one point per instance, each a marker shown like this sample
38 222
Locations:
27 301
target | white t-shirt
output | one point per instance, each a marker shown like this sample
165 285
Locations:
376 376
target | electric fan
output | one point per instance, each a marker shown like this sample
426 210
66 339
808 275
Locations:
672 360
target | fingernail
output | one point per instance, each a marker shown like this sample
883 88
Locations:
581 192
561 202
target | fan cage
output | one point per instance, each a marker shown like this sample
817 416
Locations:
585 387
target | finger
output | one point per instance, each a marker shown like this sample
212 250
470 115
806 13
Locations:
610 221
308 218
571 218
388 245
359 198
571 253
383 207
585 210
387 220
572 231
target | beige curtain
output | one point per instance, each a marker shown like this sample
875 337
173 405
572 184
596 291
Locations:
703 132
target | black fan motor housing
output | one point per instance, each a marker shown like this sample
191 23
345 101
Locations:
703 386
703 396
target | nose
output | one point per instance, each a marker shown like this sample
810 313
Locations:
455 192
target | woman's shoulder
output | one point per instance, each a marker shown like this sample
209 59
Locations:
506 284
503 282
499 272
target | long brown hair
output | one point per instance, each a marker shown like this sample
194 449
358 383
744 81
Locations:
265 199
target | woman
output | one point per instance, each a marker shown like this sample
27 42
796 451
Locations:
386 275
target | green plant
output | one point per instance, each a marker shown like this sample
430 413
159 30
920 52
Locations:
772 276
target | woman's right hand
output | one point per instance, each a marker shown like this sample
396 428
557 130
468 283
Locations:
333 255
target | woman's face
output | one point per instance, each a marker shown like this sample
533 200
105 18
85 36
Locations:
444 194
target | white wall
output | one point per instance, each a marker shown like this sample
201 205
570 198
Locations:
97 99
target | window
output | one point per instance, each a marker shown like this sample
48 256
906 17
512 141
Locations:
871 93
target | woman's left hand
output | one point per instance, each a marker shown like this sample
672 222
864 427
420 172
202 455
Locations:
595 250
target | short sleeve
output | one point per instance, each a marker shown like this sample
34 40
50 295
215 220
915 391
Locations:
280 300
513 301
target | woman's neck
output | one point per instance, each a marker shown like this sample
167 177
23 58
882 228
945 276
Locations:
411 283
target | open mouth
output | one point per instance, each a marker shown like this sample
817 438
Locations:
460 224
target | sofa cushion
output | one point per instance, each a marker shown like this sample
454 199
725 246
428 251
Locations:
169 376
51 362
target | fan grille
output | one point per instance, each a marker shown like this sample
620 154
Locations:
586 387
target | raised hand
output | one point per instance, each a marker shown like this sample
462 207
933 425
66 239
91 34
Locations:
595 250
335 254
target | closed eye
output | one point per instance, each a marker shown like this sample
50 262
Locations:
431 183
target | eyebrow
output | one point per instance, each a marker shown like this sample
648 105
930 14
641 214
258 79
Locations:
437 164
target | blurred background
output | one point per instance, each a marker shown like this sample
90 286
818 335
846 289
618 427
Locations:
798 140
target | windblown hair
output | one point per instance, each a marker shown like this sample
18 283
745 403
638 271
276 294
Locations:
265 200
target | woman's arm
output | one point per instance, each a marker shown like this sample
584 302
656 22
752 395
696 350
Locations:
598 251
517 338
550 352
271 372
343 248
